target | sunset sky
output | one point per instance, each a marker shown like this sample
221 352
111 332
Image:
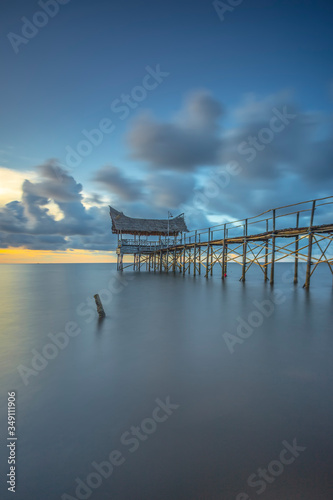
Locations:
140 105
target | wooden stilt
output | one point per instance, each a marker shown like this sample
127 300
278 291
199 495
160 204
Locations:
273 250
195 254
244 260
308 265
207 256
223 251
226 260
244 251
266 253
189 260
296 251
211 259
199 255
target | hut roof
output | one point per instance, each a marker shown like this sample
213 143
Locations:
129 225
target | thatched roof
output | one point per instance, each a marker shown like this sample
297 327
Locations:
128 225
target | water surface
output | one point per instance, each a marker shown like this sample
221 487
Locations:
165 337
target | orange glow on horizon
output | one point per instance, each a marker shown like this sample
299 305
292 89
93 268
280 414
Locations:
26 256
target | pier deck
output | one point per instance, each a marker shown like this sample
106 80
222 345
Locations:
202 251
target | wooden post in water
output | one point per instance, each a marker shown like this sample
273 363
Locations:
244 252
308 265
100 309
184 257
266 253
296 251
273 249
207 257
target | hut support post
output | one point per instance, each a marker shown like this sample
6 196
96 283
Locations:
189 260
167 258
296 251
195 254
266 254
199 255
211 256
273 249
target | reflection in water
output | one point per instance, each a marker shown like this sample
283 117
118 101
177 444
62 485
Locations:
164 335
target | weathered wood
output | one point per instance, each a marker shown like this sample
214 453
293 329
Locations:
195 254
296 251
199 255
266 254
308 264
207 256
244 260
244 251
100 309
187 253
273 249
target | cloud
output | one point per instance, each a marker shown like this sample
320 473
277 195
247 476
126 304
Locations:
183 157
191 140
30 223
288 166
169 190
112 179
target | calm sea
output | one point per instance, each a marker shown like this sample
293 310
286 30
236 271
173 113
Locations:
189 389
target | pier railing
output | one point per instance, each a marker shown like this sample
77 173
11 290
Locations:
302 214
299 231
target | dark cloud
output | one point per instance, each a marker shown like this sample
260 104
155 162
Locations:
289 162
191 140
112 179
186 157
169 190
30 223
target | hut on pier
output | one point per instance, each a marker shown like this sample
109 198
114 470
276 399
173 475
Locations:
148 235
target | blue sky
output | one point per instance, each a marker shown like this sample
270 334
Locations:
222 80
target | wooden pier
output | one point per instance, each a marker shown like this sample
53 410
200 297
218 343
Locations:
298 232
